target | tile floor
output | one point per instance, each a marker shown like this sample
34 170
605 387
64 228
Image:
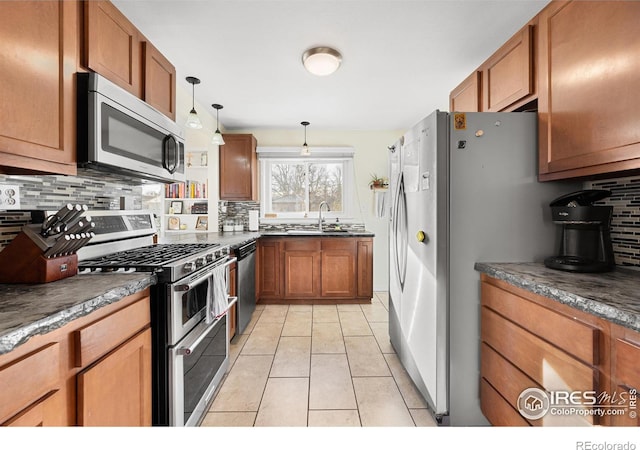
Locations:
317 365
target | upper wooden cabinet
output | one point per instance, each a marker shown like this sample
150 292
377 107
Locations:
239 168
38 60
112 45
508 76
589 66
504 82
466 96
114 48
159 85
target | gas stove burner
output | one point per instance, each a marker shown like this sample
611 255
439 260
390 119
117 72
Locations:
170 261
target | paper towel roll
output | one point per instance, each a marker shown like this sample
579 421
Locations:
253 220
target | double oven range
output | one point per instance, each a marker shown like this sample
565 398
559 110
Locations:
190 352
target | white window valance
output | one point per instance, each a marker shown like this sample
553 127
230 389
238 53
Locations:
316 152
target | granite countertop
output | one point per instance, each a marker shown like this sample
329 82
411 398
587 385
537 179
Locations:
228 238
325 233
614 295
27 310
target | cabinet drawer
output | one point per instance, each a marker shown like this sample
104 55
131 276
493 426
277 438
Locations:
302 245
544 363
344 244
576 338
627 366
41 414
496 408
29 379
99 338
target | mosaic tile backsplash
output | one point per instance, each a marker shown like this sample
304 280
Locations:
50 192
625 225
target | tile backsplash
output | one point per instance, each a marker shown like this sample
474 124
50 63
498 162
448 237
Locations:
625 225
50 192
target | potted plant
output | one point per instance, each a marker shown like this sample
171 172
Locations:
378 182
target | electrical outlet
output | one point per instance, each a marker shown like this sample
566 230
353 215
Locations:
9 196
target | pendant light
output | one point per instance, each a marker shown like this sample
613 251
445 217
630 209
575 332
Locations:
305 148
217 136
193 121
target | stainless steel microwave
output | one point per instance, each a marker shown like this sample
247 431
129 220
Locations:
119 133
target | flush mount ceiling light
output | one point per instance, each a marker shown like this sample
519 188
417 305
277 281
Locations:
321 61
217 136
305 148
193 121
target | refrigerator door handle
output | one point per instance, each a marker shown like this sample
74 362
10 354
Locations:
394 227
404 232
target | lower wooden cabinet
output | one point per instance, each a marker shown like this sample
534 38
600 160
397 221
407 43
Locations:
315 268
625 372
302 265
96 371
116 390
530 341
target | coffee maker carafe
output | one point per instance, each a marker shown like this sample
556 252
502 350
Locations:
585 241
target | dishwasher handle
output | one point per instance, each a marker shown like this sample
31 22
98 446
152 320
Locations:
245 250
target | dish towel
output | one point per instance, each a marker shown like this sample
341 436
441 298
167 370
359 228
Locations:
380 203
217 294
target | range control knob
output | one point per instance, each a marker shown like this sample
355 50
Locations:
189 267
209 257
217 253
225 251
200 262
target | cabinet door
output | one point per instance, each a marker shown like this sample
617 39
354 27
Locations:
238 168
159 81
44 413
124 373
29 379
588 89
365 268
507 76
302 268
38 48
268 268
339 267
626 374
466 96
113 46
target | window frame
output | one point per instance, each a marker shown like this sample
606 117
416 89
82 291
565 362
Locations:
268 156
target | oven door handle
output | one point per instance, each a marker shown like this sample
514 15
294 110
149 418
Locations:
186 287
189 347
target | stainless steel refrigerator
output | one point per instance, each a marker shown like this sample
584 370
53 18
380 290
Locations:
464 189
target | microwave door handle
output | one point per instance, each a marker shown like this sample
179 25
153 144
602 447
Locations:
165 153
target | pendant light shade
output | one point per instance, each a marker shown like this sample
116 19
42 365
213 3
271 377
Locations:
305 148
217 136
193 121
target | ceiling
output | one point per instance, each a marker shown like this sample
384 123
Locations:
400 58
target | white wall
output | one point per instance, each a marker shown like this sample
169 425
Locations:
370 157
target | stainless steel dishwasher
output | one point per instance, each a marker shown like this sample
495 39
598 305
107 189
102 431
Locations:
246 282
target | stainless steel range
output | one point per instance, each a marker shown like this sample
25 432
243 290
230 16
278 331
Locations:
190 353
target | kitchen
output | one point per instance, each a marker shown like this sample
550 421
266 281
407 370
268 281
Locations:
51 191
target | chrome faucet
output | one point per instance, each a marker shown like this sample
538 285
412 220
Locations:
322 203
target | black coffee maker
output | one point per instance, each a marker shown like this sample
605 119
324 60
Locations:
585 242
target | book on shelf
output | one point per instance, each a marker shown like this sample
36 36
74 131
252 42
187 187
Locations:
186 189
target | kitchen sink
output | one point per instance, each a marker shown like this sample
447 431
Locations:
314 232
